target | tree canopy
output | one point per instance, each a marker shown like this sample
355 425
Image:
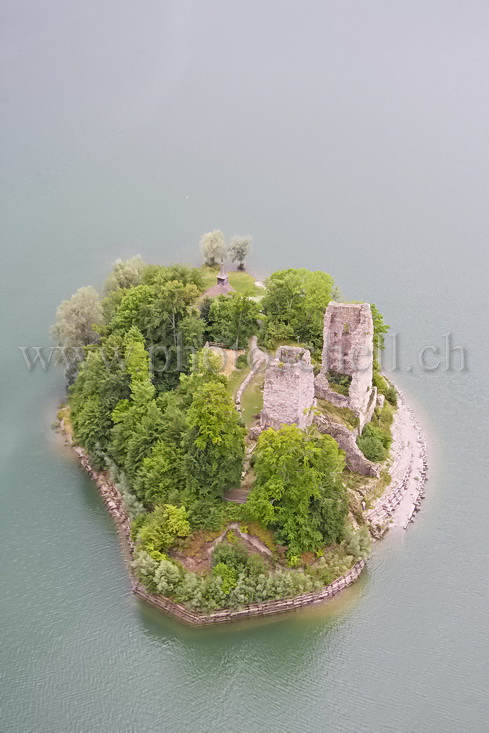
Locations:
298 489
294 305
232 319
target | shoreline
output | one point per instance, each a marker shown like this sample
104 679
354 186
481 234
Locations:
396 507
401 500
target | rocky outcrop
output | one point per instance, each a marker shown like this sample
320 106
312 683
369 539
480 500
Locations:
346 441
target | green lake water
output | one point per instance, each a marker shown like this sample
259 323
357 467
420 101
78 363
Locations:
350 137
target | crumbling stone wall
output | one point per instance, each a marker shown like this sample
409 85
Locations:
348 349
346 440
289 389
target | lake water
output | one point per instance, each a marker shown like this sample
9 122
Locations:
350 137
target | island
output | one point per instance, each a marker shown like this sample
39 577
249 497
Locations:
241 433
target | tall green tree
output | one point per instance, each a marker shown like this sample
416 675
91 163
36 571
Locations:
101 384
128 414
233 319
214 441
380 329
294 306
298 489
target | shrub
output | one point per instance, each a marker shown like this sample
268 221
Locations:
235 556
167 577
374 443
162 528
242 361
357 543
145 567
228 575
339 382
385 388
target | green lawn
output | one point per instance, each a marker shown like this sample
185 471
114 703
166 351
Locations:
235 379
242 282
252 399
342 415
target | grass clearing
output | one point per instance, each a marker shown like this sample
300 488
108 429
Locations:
235 379
252 399
342 415
242 282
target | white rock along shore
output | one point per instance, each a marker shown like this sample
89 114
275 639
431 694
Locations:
409 466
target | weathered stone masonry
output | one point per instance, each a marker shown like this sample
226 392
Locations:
289 389
348 350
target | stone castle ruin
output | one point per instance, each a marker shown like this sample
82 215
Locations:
348 357
290 389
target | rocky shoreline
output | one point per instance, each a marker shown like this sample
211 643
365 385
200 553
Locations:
402 498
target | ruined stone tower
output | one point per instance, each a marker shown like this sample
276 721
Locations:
289 389
348 353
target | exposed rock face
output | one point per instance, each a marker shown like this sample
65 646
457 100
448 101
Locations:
289 389
346 440
348 350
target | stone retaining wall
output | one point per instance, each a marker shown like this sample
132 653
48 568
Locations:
267 608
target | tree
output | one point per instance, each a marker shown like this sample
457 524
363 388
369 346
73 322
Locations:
164 526
161 472
160 274
128 414
233 319
213 247
214 441
101 384
165 313
239 249
294 306
298 489
125 274
74 328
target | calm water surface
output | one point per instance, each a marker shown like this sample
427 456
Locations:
350 137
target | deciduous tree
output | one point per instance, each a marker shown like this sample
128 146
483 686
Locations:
213 247
239 249
298 489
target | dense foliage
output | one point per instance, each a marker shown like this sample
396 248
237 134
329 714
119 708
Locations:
231 320
298 489
376 438
173 434
294 306
149 405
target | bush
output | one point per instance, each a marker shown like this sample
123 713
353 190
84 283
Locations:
235 556
384 388
374 443
358 544
242 361
161 530
339 382
167 577
228 575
